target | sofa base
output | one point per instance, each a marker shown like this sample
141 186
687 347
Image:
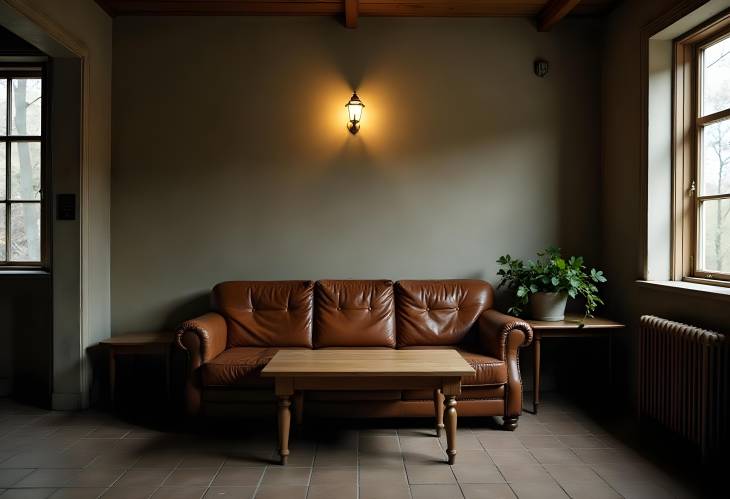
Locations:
359 409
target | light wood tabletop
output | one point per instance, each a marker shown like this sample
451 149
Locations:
295 371
352 362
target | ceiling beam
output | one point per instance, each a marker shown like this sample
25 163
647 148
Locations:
553 12
351 11
390 8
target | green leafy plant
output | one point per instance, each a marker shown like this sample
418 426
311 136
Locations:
550 273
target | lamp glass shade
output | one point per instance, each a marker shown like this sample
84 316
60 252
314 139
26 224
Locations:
354 109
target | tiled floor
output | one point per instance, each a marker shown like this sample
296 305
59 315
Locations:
560 453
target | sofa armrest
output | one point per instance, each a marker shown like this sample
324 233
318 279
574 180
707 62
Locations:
501 335
205 336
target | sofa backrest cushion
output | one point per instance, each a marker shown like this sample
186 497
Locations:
354 314
439 312
266 313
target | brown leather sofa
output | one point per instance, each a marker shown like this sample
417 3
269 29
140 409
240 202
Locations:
227 348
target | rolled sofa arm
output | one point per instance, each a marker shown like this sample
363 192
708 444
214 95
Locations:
208 334
204 338
502 336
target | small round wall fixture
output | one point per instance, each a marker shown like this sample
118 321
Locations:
354 113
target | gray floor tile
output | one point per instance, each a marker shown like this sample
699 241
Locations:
41 493
78 493
231 492
538 490
430 474
436 492
487 491
179 493
333 491
9 477
333 476
286 475
129 492
191 477
385 490
281 492
477 473
239 476
142 478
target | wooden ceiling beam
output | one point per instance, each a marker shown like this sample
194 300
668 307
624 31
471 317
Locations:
549 11
351 12
553 12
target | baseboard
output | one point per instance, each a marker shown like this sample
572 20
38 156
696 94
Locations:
66 402
6 387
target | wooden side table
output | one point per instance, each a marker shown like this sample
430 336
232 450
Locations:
572 327
158 343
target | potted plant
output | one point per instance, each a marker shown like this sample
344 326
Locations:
546 283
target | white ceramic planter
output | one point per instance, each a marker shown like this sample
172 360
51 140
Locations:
548 306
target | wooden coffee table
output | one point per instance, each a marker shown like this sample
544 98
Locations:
351 369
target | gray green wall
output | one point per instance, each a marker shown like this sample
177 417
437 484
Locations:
231 159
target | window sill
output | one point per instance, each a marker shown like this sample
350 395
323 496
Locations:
689 288
11 273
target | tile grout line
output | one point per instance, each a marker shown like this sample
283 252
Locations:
215 475
405 468
357 466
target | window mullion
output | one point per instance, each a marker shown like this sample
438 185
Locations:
8 122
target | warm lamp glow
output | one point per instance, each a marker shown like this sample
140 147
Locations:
354 113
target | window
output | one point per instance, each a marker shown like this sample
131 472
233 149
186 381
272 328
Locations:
702 153
22 241
713 161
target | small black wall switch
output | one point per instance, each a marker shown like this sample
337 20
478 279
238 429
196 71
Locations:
66 207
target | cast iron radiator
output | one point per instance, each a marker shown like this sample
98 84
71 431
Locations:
683 381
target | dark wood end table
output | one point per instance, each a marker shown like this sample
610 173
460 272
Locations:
570 327
155 343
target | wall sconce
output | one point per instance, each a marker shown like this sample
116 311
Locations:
354 113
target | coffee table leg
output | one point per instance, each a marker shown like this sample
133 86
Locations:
284 425
438 404
284 391
450 420
451 388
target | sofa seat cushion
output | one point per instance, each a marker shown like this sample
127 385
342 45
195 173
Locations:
238 366
489 371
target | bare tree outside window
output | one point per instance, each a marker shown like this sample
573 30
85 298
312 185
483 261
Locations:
21 163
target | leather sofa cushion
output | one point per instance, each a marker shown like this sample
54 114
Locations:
238 366
489 371
439 312
266 313
354 314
